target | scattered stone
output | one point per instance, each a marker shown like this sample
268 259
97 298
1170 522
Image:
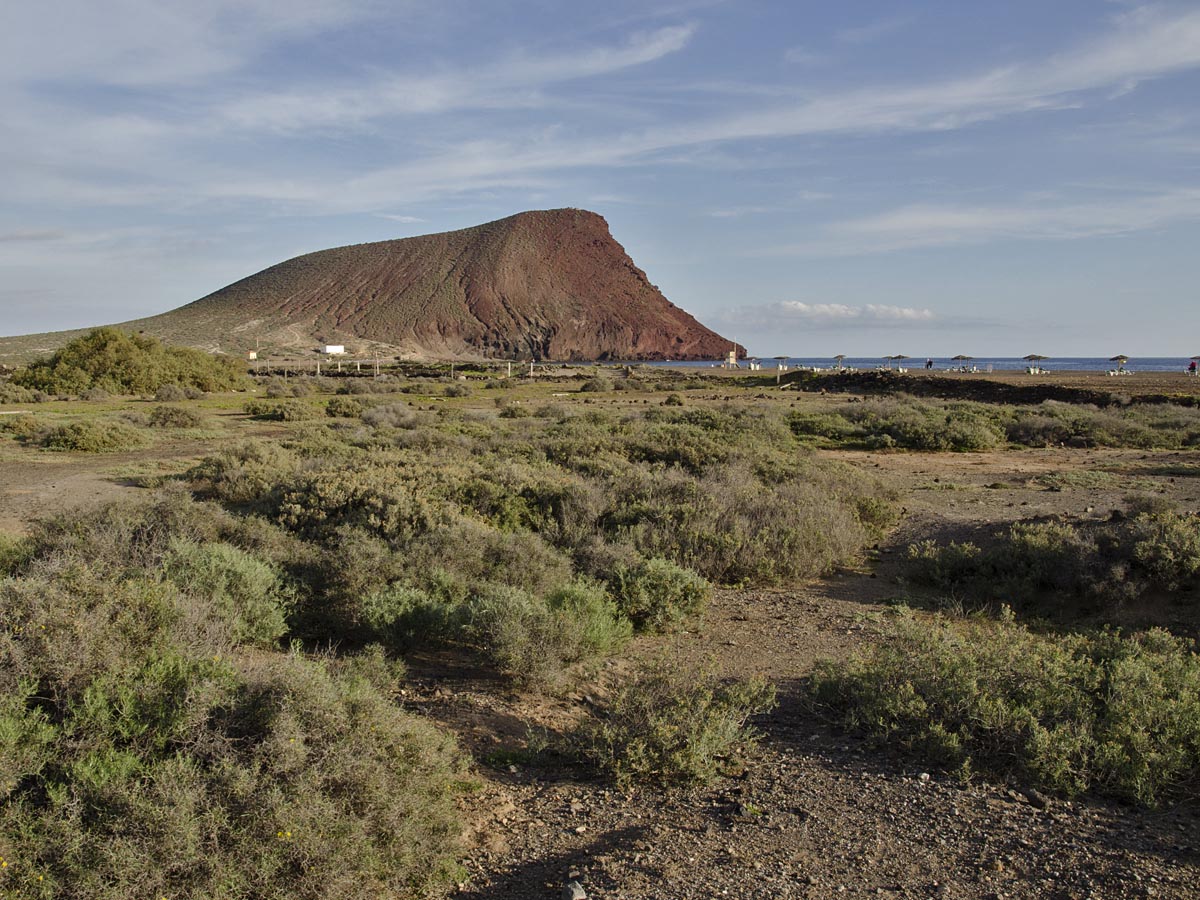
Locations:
573 890
1036 798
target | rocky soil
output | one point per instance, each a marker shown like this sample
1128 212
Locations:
810 812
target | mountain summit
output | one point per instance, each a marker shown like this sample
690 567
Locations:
550 284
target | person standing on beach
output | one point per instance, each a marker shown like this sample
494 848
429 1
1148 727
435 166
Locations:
929 363
1192 367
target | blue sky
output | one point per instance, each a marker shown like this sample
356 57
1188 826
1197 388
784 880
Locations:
929 178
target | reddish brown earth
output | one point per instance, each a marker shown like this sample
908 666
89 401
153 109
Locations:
552 284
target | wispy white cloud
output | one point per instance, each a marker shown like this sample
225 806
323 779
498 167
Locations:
142 43
1144 45
512 82
924 225
787 313
797 199
140 157
407 220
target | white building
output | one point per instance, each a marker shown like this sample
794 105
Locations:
333 349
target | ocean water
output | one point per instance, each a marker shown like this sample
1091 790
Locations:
997 364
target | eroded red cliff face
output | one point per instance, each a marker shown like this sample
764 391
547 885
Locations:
552 284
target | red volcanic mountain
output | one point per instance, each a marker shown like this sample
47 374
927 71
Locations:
551 285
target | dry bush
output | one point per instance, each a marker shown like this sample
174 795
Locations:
391 415
344 407
170 393
22 427
159 761
93 436
1069 713
672 725
174 417
281 411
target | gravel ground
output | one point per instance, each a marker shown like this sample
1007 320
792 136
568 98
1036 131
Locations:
809 812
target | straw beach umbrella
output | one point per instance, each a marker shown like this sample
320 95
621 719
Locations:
1120 359
899 358
1034 358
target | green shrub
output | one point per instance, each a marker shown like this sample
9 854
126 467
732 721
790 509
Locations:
246 592
672 725
281 388
344 407
123 363
1072 713
391 415
126 537
828 425
588 610
520 633
457 390
388 502
683 445
735 525
249 474
965 426
174 417
515 411
281 411
597 384
14 551
915 425
673 400
401 617
1166 547
1110 561
170 393
12 393
21 427
657 595
468 553
158 762
557 411
93 436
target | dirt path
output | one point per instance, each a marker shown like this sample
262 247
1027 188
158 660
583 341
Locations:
33 488
36 483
